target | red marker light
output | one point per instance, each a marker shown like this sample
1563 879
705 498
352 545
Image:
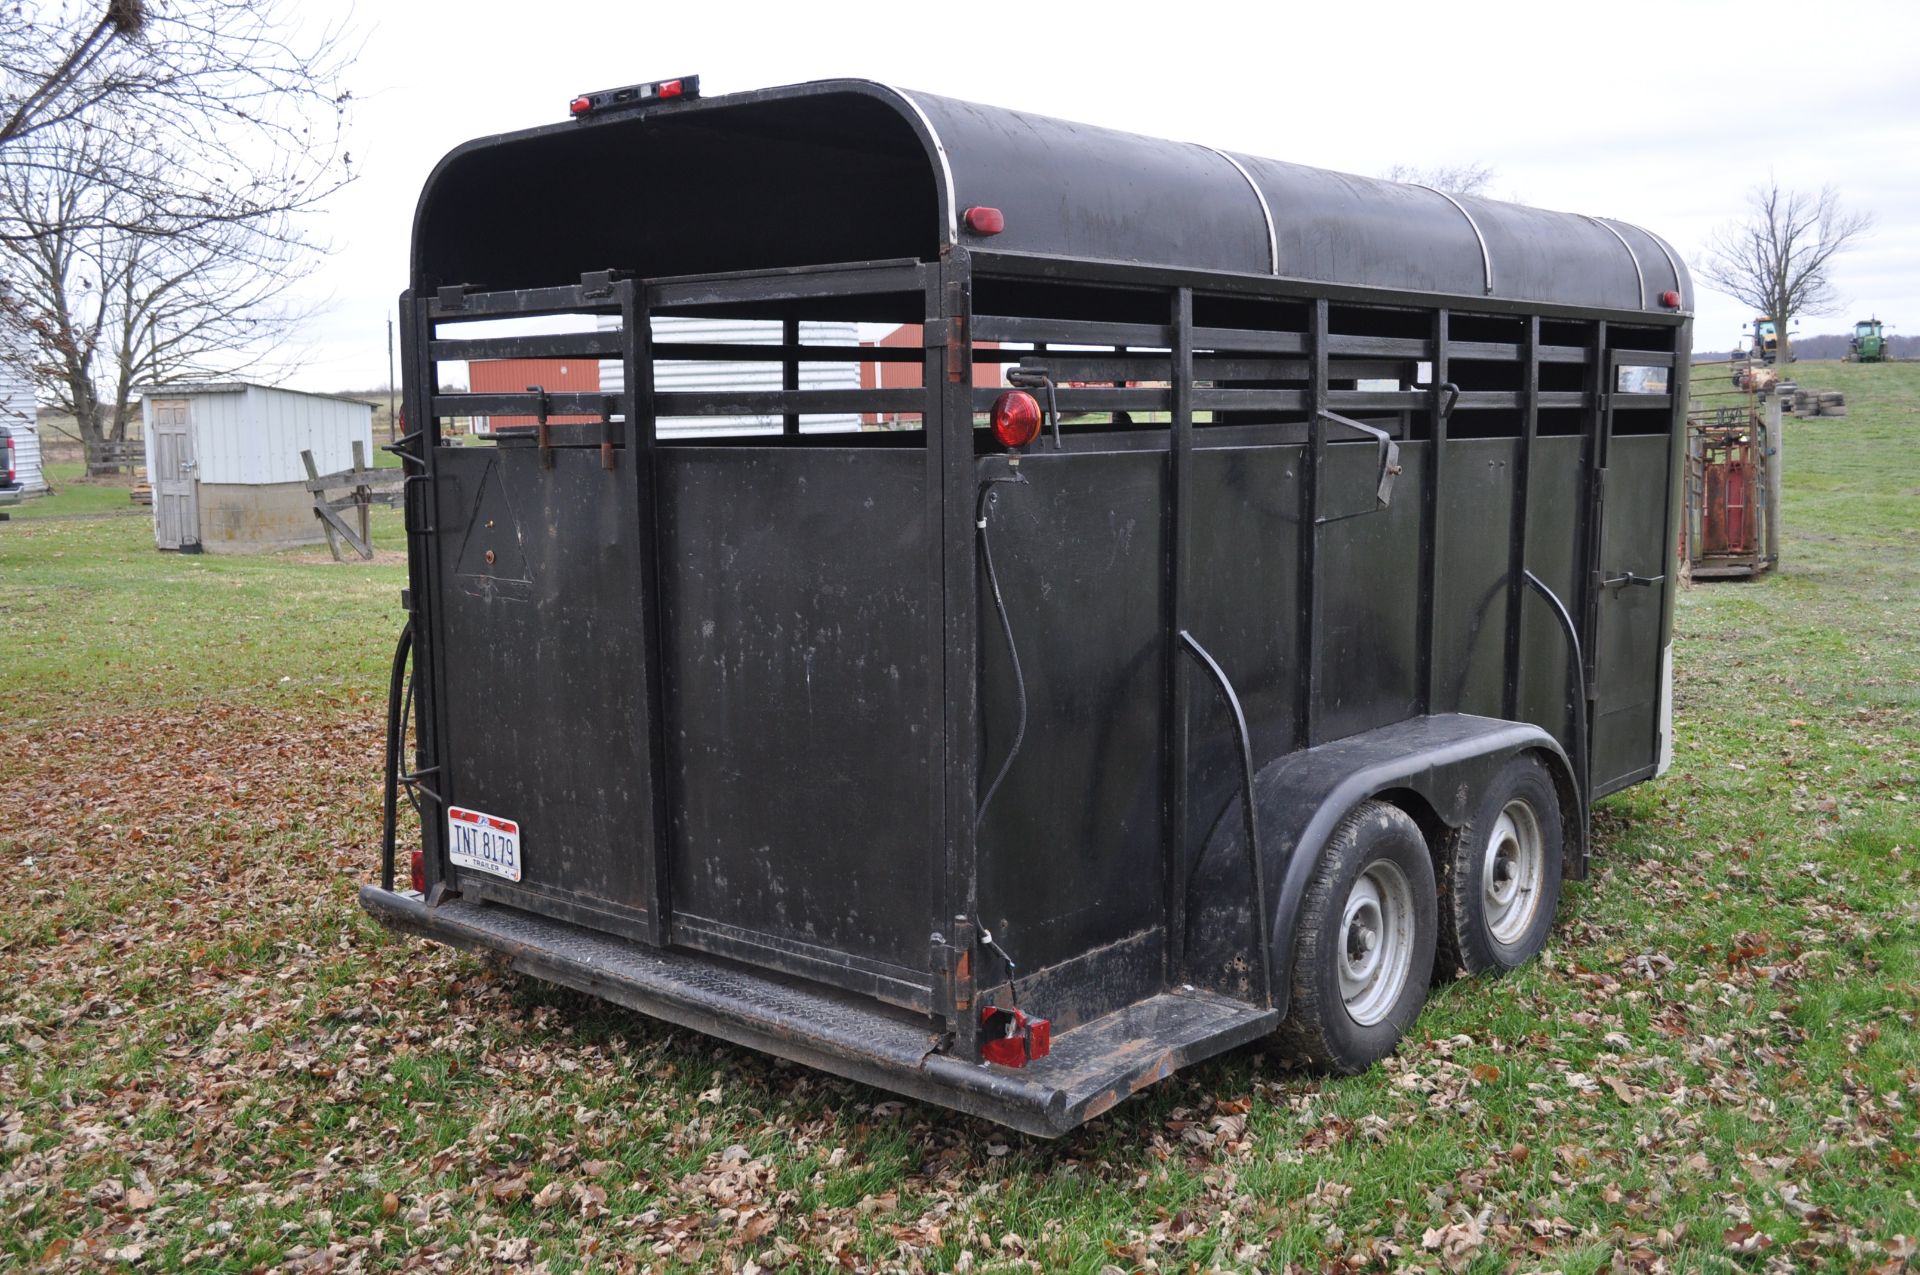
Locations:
1012 1038
1670 299
419 866
985 221
1016 418
580 105
672 88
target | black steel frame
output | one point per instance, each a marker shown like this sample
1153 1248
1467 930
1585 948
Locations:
1184 355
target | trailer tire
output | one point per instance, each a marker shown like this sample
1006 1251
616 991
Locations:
1363 943
1500 874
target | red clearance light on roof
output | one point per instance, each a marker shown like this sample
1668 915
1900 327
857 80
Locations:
1016 418
982 220
634 95
1670 299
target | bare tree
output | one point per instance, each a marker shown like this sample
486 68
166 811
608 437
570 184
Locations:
239 87
1777 260
156 163
1455 179
110 308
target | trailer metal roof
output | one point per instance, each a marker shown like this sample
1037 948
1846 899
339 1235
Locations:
851 170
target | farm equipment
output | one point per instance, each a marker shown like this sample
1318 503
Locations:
1726 492
1247 655
1868 344
1759 347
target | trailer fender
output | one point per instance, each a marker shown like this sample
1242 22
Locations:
1436 767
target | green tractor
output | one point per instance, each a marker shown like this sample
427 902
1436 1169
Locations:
1868 344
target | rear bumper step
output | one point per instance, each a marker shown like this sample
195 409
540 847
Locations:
1092 1068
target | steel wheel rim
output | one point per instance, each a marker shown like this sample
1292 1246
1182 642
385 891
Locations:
1513 861
1376 942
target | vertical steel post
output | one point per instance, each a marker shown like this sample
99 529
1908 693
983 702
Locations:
1586 591
636 358
1431 519
953 619
790 371
1517 536
1179 582
1310 472
426 571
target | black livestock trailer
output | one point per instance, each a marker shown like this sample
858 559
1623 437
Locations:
1213 617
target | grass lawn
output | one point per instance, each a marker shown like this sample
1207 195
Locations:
74 493
209 1058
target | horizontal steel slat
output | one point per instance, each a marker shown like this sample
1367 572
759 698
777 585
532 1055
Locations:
1380 400
1072 366
1485 400
1390 347
786 286
1068 366
1249 340
552 345
781 402
567 300
1005 327
714 352
1249 400
559 403
1093 399
1487 351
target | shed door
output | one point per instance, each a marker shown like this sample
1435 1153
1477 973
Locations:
176 505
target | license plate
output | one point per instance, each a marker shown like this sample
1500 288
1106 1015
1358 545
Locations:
483 842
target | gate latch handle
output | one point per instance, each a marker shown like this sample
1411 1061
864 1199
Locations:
1622 581
1389 461
543 405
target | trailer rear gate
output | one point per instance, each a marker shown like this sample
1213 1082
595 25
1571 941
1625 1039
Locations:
743 695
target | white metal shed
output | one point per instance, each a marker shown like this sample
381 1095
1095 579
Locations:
19 412
224 462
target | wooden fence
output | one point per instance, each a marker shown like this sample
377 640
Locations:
364 487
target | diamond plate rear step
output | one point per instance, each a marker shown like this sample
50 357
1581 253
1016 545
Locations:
1092 1067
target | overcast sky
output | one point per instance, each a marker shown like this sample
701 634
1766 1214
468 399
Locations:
1660 114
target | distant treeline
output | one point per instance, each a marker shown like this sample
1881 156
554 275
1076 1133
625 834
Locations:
1826 347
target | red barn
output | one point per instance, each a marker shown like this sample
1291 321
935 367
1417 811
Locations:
513 376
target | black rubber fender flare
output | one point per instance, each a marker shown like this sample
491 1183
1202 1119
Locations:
1436 764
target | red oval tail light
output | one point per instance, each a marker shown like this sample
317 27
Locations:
982 220
1016 418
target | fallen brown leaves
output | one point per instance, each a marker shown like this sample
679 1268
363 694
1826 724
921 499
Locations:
210 1058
